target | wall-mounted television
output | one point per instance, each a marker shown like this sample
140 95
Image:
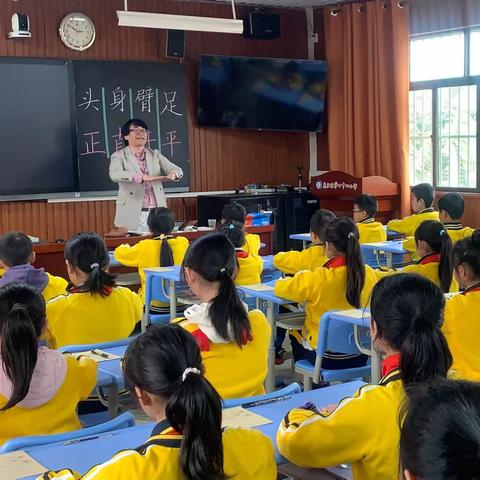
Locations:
262 93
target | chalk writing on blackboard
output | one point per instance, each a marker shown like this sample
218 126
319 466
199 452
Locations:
169 103
90 144
144 96
89 101
118 99
171 141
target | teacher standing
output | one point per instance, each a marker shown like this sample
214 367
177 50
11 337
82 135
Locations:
140 173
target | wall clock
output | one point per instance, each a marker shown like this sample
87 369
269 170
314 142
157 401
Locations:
77 31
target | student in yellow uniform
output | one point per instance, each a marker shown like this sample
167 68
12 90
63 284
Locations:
365 208
344 282
234 212
17 256
163 250
39 388
163 369
234 343
407 313
450 211
250 266
312 257
421 201
440 437
462 327
95 309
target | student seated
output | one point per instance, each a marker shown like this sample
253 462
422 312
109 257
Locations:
17 256
234 343
312 257
440 437
462 327
343 283
364 210
250 266
407 313
94 310
39 388
421 201
163 369
163 250
450 211
234 212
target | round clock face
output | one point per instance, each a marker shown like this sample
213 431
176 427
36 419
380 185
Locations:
77 31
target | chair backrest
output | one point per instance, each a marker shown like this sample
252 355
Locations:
95 346
124 420
157 289
288 390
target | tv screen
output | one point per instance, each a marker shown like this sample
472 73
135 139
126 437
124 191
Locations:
262 93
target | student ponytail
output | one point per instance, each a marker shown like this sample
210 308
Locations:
439 241
166 362
213 258
88 253
343 234
408 312
235 232
22 321
467 251
161 223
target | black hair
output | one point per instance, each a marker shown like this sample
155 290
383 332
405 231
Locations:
453 204
319 222
161 221
156 362
440 436
234 232
234 212
408 312
133 122
88 253
342 233
438 239
367 203
15 249
425 192
22 322
468 251
213 258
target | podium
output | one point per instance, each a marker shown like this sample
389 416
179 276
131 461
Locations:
336 191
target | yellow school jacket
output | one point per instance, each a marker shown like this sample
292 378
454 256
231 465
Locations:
236 372
247 455
363 430
322 290
462 330
371 231
146 254
309 259
408 225
57 415
457 231
56 286
81 318
249 268
252 243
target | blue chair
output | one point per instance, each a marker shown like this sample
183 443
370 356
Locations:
288 390
21 443
95 346
334 336
377 260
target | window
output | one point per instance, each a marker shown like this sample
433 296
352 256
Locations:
444 102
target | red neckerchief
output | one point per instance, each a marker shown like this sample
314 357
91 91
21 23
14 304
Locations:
474 288
204 343
335 262
391 363
81 289
241 254
430 258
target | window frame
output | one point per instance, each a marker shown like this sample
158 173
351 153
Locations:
434 86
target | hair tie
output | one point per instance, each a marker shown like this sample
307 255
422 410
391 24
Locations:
93 265
223 270
162 236
231 226
351 235
18 306
442 232
190 370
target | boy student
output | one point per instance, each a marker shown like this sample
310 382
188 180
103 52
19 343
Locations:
450 210
364 210
234 212
17 256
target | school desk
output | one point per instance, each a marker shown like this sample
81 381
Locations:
82 454
389 248
302 237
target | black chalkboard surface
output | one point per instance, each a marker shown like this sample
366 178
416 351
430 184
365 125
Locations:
109 93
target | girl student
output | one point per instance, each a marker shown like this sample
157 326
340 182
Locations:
407 314
461 326
39 388
95 309
250 266
235 212
342 283
234 343
440 437
163 369
163 250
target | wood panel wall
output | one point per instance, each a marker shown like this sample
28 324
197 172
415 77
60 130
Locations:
220 159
